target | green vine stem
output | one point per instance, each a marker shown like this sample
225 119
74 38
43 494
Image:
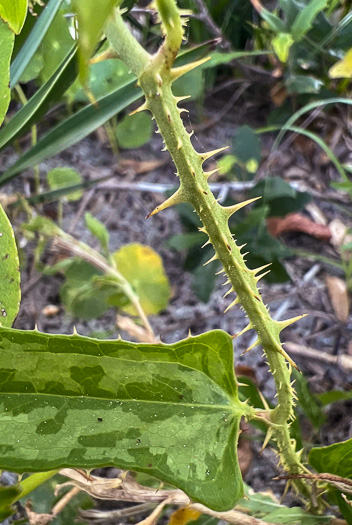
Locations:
155 76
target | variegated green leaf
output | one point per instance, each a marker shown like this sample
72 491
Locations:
169 410
10 293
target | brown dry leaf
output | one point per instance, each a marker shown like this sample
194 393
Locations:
37 519
278 94
183 515
338 233
338 294
296 222
127 166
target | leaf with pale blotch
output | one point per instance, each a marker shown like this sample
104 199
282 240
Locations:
6 43
13 12
342 68
171 411
10 292
143 269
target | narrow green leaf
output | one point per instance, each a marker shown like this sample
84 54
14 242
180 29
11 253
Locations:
6 42
171 411
218 59
98 229
37 106
8 495
33 41
91 20
14 12
334 459
305 18
333 396
10 293
75 128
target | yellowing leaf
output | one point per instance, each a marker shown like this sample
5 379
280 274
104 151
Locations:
183 515
143 268
282 44
342 68
14 12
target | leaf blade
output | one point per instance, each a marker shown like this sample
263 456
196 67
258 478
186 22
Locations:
9 272
110 405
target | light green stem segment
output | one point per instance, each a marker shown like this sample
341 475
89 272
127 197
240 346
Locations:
155 78
35 480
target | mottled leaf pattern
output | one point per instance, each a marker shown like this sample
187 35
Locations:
169 410
10 293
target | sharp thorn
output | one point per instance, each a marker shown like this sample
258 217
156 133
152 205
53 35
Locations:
230 210
205 156
176 198
178 72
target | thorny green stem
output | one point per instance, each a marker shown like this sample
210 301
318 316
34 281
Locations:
155 76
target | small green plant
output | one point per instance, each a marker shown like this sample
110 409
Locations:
168 411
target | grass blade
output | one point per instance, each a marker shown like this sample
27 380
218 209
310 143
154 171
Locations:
33 41
37 106
75 128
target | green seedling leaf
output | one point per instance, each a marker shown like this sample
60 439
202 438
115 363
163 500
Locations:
134 130
185 241
34 40
60 178
14 13
279 196
226 163
90 26
267 507
98 229
204 278
342 68
6 42
192 84
82 293
104 77
303 84
274 22
333 396
305 18
10 294
143 269
335 459
75 128
217 59
171 411
55 45
8 495
37 106
282 44
247 150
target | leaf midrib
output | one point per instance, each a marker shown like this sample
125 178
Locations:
94 398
